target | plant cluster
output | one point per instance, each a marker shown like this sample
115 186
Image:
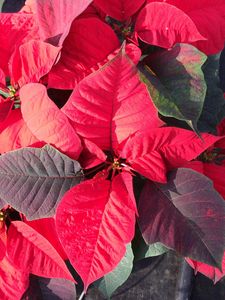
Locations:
111 140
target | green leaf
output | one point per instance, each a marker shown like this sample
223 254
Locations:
1 4
144 250
214 106
34 180
176 82
110 282
185 214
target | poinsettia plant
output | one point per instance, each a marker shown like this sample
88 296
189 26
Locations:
108 121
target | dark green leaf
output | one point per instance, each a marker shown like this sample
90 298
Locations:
111 281
214 105
186 214
176 82
34 180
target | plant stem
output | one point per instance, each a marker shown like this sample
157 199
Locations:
81 295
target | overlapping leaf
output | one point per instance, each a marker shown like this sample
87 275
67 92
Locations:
41 288
31 61
46 121
176 82
93 227
40 258
185 214
34 180
83 51
214 106
209 18
54 18
120 9
111 281
153 153
15 29
111 104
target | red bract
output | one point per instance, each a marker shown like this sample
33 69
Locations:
209 18
112 104
91 218
46 121
83 52
40 258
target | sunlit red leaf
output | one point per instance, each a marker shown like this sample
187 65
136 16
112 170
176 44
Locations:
88 44
47 121
13 281
110 105
46 227
209 18
31 61
164 25
153 153
54 18
119 9
14 133
94 221
15 29
40 258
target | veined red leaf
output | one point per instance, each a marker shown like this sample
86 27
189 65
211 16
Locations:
94 221
41 288
209 18
15 29
5 108
14 133
111 104
13 281
31 61
85 49
34 180
164 25
46 121
54 18
153 153
40 258
211 272
46 227
186 214
120 10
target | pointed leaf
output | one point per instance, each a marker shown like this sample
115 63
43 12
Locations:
13 281
176 82
54 18
40 258
164 25
153 153
31 61
111 281
120 10
111 104
94 221
144 250
50 289
34 180
186 214
211 272
83 52
46 121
